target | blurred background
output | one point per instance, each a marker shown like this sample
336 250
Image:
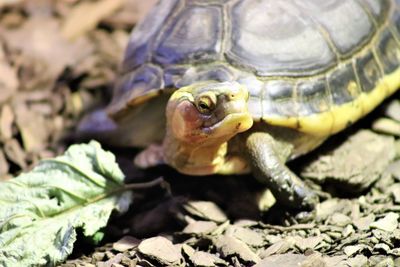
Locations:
58 60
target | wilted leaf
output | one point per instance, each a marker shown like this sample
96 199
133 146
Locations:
41 210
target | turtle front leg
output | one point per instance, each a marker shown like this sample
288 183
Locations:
150 157
268 160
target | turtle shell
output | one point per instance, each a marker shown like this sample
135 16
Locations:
305 63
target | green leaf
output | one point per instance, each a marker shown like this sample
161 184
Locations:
40 210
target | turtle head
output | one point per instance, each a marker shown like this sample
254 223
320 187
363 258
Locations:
208 112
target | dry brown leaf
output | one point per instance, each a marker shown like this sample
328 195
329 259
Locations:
33 128
45 52
8 78
6 120
86 15
132 12
4 167
9 2
15 153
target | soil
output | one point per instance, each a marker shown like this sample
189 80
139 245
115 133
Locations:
59 61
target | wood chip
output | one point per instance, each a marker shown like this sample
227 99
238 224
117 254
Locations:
395 192
340 219
308 243
387 126
388 223
206 210
160 249
229 246
351 250
125 243
283 260
363 223
205 259
250 237
278 247
356 163
393 110
200 228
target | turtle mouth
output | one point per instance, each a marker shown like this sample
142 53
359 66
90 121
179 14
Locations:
231 124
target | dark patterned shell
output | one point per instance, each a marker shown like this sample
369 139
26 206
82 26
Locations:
296 57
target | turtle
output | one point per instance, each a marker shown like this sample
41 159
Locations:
243 86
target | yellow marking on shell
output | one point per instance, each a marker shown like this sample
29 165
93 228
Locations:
339 117
353 89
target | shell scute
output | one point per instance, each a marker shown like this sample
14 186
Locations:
272 38
185 41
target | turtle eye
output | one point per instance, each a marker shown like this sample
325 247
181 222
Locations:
206 103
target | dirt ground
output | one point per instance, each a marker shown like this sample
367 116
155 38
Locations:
59 60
